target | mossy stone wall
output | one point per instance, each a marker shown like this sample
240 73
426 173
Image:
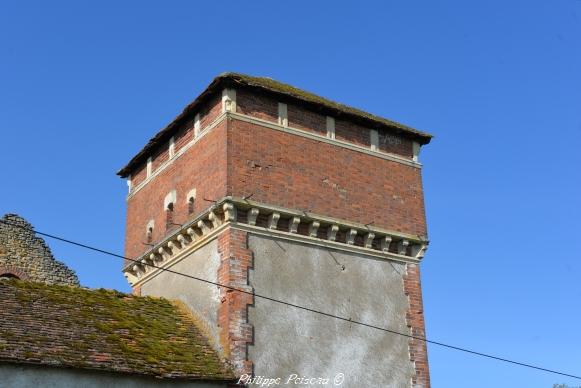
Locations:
26 256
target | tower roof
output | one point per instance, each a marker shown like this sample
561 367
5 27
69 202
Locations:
284 92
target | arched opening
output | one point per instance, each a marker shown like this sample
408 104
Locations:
169 216
149 235
8 275
191 205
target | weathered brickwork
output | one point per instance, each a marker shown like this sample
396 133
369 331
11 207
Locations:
202 167
266 108
256 105
306 120
247 158
235 262
352 133
210 111
295 172
26 256
276 167
415 321
279 169
183 135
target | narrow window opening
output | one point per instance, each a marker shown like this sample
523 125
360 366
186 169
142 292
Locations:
169 216
191 205
149 234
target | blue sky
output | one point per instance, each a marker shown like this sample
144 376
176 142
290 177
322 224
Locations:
84 86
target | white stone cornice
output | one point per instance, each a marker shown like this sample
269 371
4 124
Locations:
182 240
310 216
229 212
314 228
229 100
192 233
340 235
402 246
252 215
294 224
368 240
214 219
273 220
173 246
385 243
350 236
335 245
332 232
191 236
419 250
203 227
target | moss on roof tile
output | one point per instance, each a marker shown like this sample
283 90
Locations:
104 330
304 96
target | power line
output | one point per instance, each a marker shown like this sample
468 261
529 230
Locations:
299 306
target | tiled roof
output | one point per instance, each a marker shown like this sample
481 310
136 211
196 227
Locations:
103 330
285 92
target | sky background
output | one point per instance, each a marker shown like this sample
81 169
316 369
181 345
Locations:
84 85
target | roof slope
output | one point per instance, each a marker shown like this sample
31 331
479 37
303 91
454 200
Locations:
103 330
285 92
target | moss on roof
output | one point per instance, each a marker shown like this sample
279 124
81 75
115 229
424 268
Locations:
286 92
103 330
318 101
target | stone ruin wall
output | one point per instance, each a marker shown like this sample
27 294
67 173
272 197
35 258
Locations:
26 256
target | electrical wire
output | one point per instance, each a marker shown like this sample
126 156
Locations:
473 352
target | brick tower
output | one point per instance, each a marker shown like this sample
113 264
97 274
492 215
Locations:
267 188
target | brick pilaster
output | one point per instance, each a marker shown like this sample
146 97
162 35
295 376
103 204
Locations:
415 321
236 333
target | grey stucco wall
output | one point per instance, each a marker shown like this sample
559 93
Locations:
25 376
202 299
288 340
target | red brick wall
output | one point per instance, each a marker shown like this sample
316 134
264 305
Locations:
340 183
256 105
352 133
160 157
306 120
203 167
139 175
415 321
184 135
281 169
236 333
395 144
239 158
266 108
212 109
295 172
